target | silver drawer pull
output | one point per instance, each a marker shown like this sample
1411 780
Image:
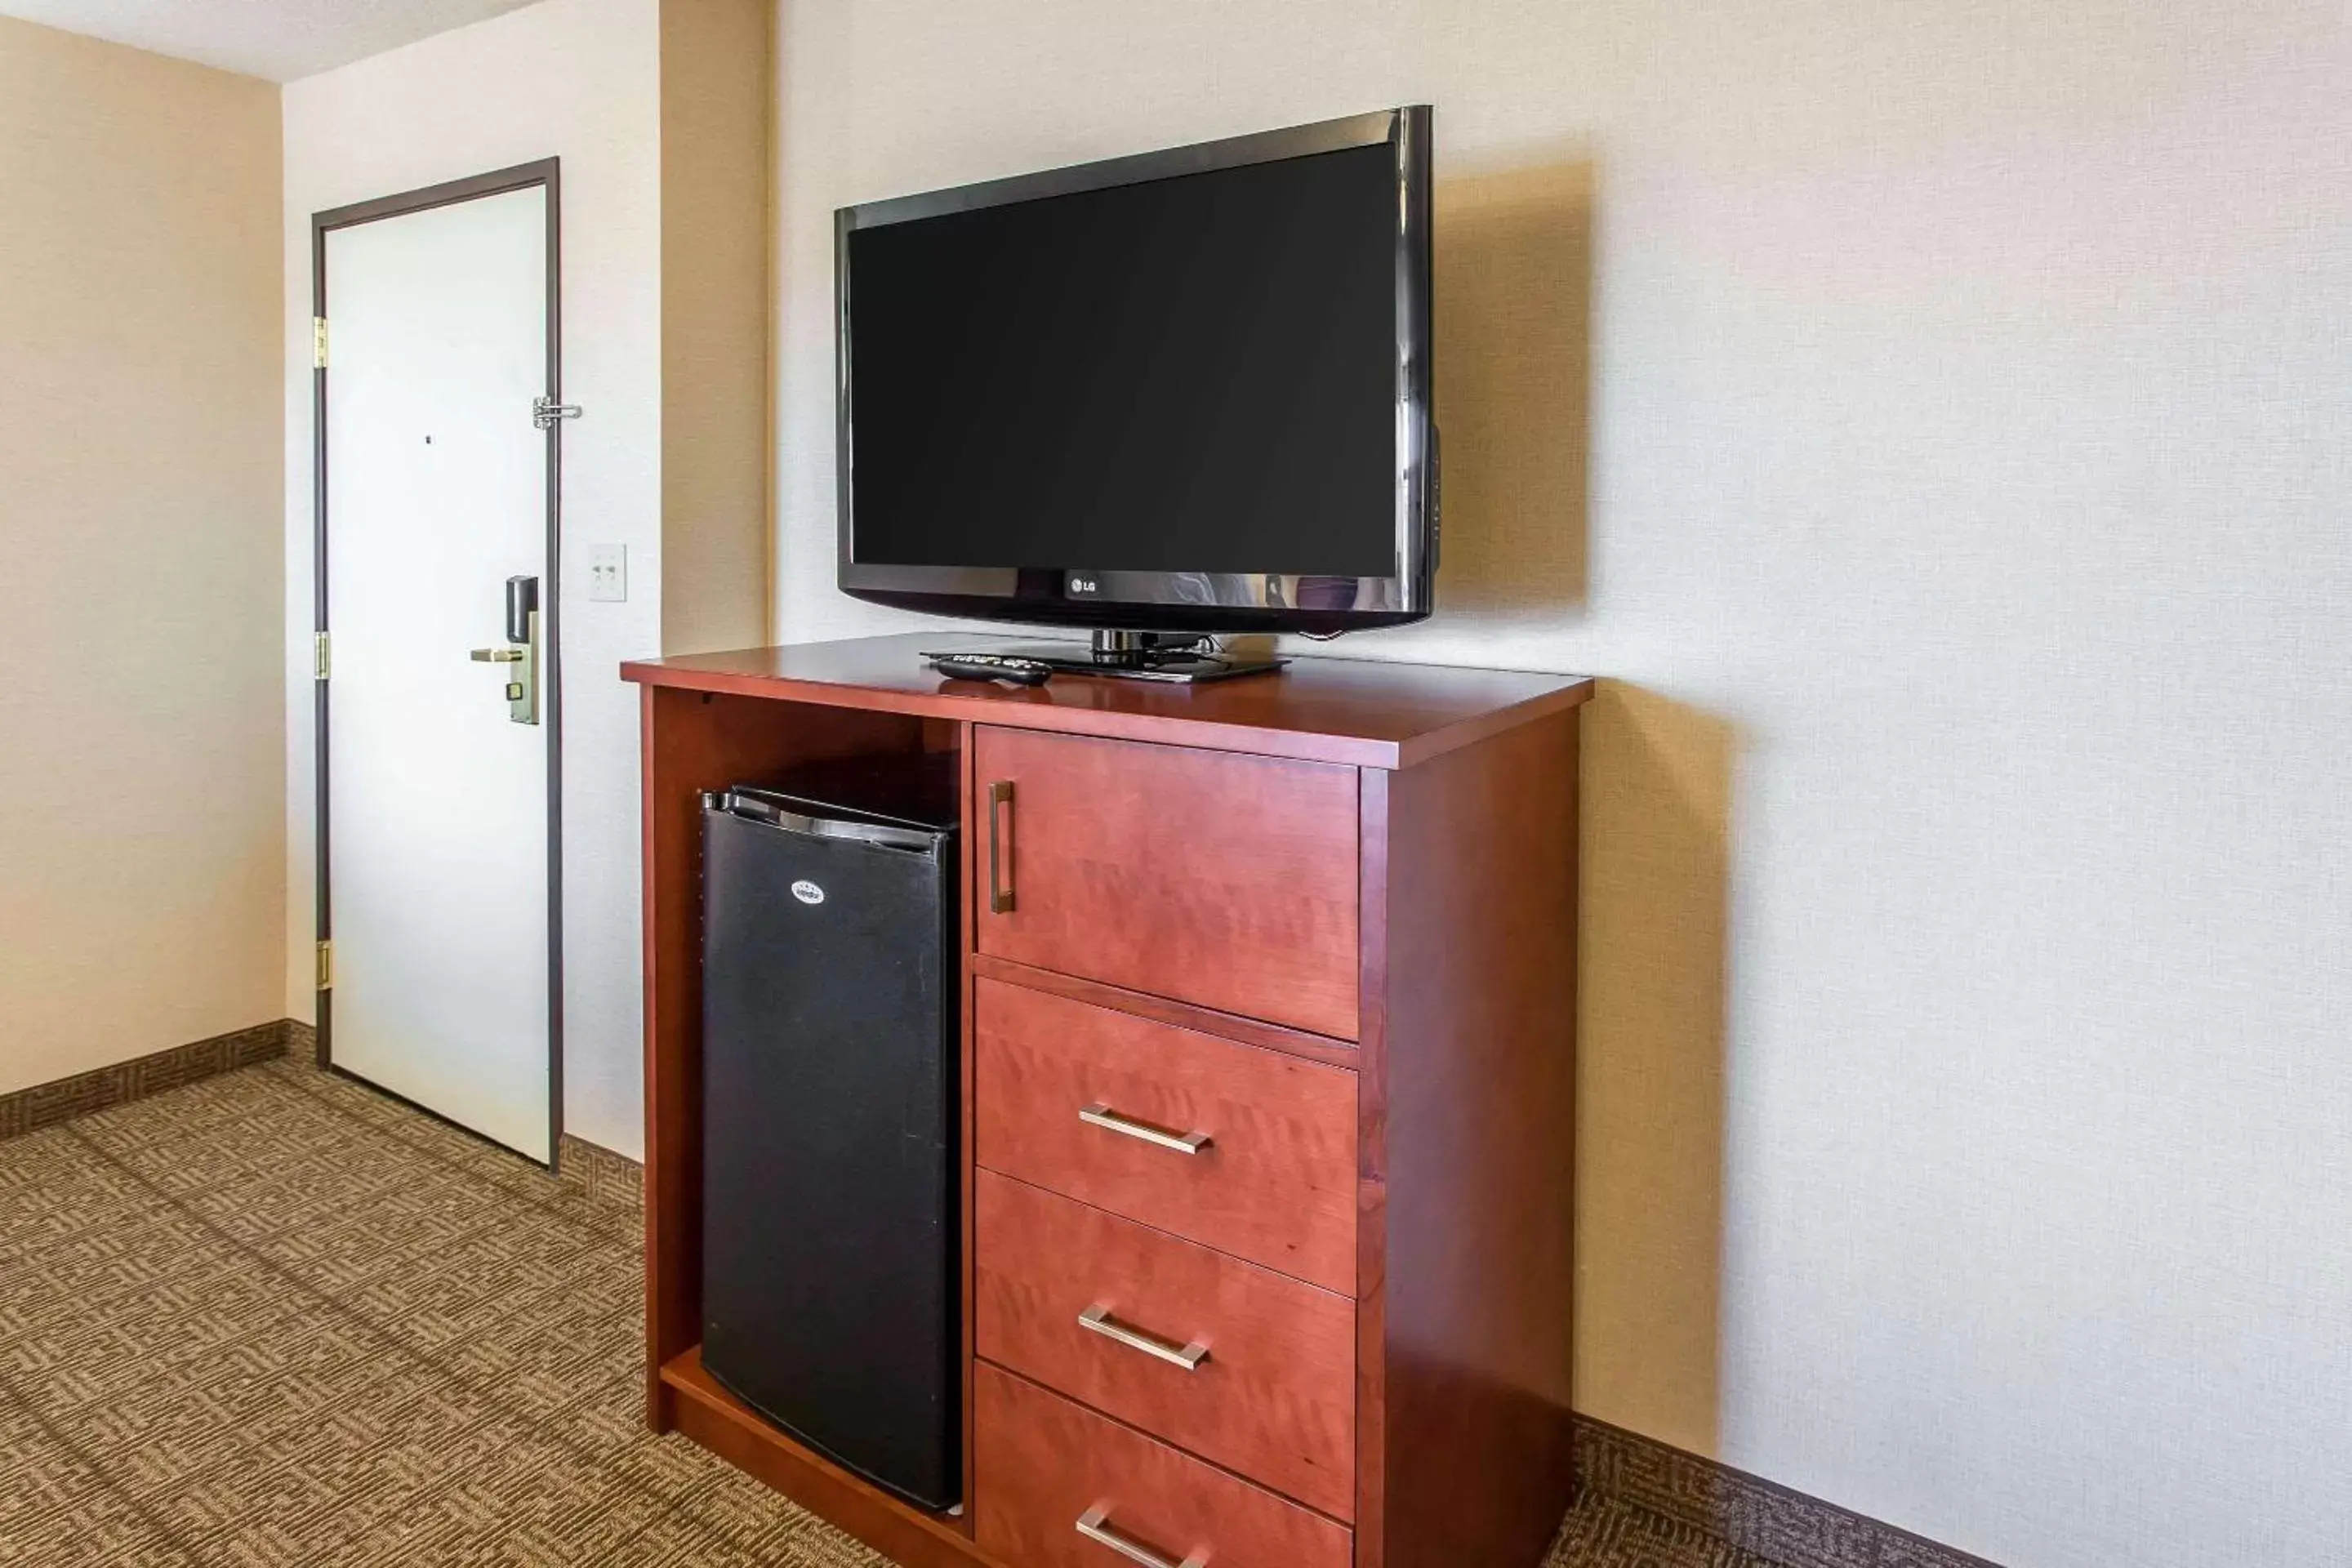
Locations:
1190 1357
1103 1116
1096 1526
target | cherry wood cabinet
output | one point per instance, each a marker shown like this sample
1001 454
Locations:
1268 1020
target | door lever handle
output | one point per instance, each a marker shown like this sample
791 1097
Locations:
522 649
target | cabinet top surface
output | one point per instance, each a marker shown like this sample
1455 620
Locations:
1370 713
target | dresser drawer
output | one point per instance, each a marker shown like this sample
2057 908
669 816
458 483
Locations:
1044 1466
1216 878
1086 1101
1237 1363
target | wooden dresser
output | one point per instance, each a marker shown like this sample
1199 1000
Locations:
1268 1018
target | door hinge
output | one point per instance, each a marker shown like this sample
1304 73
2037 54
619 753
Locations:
318 343
318 660
546 410
326 966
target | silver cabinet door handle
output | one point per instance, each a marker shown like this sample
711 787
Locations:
1096 1526
1109 1121
1098 1319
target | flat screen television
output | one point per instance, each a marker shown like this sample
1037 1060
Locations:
1183 392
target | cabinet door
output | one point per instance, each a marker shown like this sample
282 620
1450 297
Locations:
1214 878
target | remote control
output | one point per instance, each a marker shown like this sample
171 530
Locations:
992 667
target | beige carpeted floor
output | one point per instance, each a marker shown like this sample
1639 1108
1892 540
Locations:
274 1318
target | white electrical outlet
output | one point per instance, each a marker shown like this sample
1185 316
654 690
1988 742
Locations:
608 573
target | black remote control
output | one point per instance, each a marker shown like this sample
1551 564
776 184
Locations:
992 667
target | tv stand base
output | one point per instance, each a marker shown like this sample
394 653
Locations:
1177 657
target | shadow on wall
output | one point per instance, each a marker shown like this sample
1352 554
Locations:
1656 782
1512 308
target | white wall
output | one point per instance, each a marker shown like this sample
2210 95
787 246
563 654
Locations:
142 825
576 80
1932 418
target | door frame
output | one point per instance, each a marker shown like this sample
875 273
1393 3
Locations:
544 173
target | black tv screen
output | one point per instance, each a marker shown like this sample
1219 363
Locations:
1184 391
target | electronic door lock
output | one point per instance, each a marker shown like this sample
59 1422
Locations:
522 631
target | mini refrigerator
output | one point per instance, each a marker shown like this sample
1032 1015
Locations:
830 1276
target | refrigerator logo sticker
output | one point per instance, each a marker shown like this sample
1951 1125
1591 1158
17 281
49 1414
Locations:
808 892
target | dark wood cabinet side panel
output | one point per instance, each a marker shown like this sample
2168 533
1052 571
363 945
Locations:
668 739
693 741
1476 1080
968 819
1372 1169
1371 1377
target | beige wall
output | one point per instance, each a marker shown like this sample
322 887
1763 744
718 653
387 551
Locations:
716 90
1931 420
142 800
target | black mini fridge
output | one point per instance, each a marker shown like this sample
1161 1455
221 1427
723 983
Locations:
829 1114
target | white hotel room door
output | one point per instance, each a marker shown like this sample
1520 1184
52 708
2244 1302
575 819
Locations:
437 708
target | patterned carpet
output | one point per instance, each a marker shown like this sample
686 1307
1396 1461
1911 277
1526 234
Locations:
273 1317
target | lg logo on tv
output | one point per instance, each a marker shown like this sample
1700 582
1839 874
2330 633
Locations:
1082 584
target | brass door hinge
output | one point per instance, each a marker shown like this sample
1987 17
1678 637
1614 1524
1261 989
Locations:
326 966
318 665
318 343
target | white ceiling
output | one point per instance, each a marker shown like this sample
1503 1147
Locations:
279 39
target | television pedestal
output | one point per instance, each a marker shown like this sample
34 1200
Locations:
1327 922
1180 658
